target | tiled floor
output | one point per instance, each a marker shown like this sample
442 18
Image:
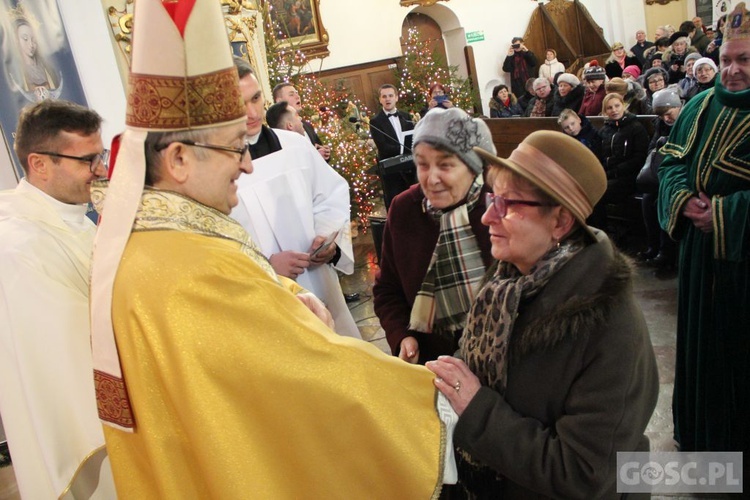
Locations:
658 299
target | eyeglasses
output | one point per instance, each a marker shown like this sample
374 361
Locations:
240 151
93 161
501 204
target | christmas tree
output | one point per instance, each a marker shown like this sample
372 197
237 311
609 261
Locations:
328 108
420 68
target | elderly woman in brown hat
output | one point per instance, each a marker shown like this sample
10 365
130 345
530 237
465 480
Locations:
556 372
435 249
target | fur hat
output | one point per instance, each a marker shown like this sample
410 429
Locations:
570 79
666 98
617 85
677 35
632 70
705 60
454 130
559 165
594 72
737 26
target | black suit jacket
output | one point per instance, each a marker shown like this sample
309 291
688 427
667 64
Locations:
311 134
385 139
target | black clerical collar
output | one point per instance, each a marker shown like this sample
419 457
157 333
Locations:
268 142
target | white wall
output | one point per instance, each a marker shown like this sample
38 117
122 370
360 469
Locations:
371 30
360 31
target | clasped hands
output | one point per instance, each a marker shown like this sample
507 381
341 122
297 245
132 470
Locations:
700 211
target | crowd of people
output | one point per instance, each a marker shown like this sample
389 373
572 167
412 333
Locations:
522 363
674 51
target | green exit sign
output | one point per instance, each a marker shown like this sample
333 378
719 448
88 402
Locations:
474 36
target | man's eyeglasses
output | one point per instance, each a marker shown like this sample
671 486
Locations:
501 204
92 161
240 151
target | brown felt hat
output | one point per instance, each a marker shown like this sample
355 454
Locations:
559 165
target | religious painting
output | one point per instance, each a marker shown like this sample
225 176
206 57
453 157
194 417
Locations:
298 26
37 62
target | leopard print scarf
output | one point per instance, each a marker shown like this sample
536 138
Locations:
484 344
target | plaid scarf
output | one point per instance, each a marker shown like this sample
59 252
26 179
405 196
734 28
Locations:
484 346
455 271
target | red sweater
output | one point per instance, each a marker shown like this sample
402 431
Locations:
409 240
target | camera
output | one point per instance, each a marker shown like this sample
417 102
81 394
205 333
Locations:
516 45
440 98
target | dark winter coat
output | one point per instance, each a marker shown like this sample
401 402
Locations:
571 101
589 137
613 68
698 88
547 105
582 385
669 58
518 76
500 110
624 148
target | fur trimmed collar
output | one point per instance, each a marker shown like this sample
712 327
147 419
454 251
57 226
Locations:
572 304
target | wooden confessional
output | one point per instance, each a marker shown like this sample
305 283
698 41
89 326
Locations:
567 27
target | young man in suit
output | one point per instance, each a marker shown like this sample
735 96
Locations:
388 128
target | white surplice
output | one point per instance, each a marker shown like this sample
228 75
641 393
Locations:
291 197
46 383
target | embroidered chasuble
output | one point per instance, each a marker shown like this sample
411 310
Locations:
709 151
239 391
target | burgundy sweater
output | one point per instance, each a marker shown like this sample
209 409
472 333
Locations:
592 102
409 240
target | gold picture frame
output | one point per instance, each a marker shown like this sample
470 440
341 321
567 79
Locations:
299 26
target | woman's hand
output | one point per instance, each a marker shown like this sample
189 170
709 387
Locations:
455 381
432 103
317 307
447 104
409 351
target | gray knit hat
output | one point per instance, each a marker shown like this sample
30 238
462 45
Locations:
455 131
666 98
693 56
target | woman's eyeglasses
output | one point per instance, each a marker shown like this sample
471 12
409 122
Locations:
501 204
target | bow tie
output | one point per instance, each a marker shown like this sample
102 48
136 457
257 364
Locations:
391 114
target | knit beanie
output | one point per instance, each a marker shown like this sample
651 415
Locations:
656 71
594 72
705 60
693 56
455 131
666 98
632 70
